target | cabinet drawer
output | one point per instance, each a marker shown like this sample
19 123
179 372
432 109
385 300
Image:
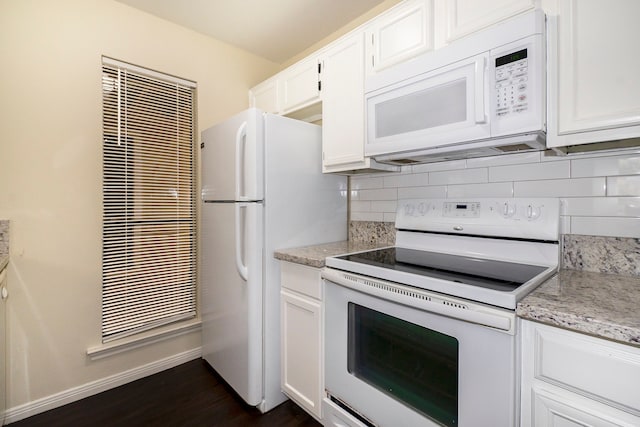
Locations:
336 417
603 370
301 278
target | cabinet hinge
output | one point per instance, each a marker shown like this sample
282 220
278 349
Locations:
319 85
319 67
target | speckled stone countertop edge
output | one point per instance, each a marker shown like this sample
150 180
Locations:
601 305
315 255
4 260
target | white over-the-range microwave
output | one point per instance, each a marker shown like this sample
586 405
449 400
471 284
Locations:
482 95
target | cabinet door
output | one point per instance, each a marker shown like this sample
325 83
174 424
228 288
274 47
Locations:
265 96
299 85
343 102
462 17
402 33
301 371
594 83
3 347
553 409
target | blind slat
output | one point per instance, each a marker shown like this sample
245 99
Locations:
148 257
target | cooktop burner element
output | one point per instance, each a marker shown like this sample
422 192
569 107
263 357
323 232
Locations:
493 251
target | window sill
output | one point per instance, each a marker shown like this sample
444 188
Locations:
143 339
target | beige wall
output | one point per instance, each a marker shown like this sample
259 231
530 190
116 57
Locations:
50 171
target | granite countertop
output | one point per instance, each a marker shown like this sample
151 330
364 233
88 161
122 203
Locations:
603 305
4 260
315 255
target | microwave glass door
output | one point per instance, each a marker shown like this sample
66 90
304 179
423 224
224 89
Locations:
410 363
441 107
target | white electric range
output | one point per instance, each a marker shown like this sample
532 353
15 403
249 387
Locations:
424 333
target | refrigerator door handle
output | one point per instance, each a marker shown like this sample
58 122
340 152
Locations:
240 138
239 241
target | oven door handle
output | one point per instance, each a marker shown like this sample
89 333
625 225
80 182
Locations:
424 300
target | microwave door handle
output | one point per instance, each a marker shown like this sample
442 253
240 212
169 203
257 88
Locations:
479 73
241 135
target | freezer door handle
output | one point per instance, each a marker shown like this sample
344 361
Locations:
239 240
240 139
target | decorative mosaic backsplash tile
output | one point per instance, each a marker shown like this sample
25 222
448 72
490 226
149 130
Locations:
613 255
4 236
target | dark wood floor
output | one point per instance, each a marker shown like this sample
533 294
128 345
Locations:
191 394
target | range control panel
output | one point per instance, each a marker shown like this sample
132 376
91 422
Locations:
530 218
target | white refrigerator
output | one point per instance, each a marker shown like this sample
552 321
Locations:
262 189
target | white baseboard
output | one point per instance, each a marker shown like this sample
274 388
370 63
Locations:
76 393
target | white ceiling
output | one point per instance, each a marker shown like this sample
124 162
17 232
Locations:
273 29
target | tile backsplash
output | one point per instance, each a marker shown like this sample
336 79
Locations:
600 193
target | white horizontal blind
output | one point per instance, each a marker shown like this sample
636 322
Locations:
148 252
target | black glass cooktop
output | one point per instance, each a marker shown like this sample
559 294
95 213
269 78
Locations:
497 275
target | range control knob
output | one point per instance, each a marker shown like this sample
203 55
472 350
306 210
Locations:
409 209
508 210
533 212
422 208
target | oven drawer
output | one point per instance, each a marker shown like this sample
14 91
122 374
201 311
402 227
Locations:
604 371
334 416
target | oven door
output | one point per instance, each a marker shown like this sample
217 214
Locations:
398 365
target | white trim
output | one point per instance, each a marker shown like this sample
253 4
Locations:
141 340
148 72
94 387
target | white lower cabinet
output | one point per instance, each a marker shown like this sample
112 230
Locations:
571 379
302 370
3 346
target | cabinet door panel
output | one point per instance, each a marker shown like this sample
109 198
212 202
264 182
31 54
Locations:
265 96
466 16
559 410
399 35
594 72
343 102
301 350
299 85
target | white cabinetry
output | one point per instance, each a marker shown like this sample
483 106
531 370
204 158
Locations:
343 106
3 347
399 34
302 371
265 96
593 63
457 18
299 85
571 379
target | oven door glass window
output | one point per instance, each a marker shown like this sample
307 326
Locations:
412 364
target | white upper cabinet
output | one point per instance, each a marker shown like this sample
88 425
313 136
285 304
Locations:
457 18
399 34
265 96
593 64
299 85
343 102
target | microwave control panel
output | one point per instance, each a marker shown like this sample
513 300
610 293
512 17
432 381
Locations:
512 85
